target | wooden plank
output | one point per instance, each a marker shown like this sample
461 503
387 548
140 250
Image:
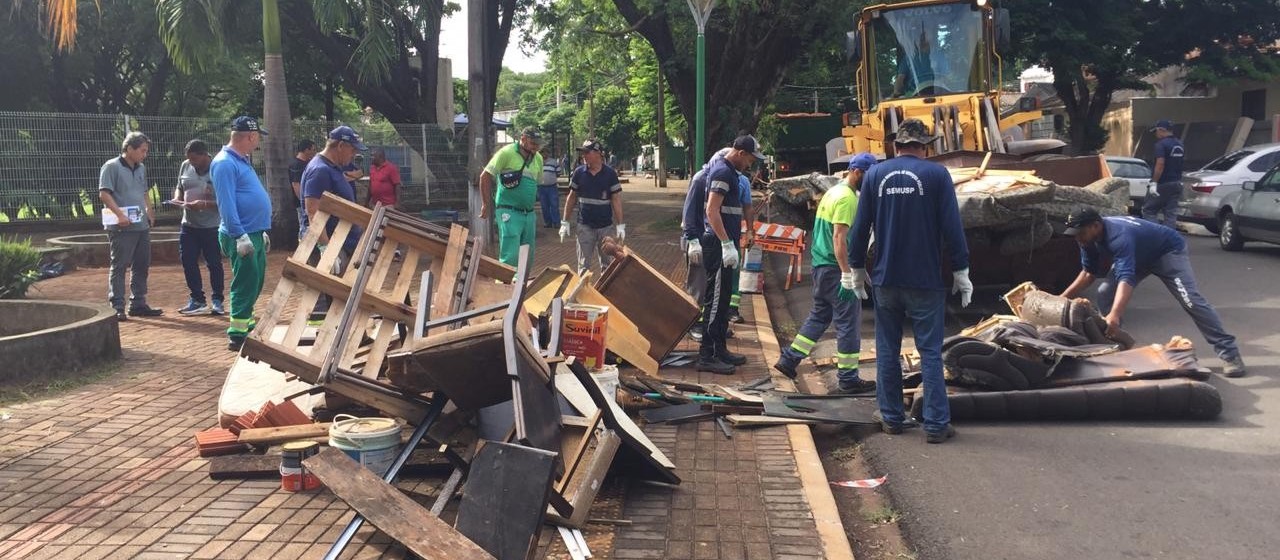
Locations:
573 452
642 455
267 436
340 288
586 482
247 466
407 235
447 287
676 414
282 359
506 497
748 421
390 510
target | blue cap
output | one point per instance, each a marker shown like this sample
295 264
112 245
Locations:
346 134
1163 123
862 161
247 124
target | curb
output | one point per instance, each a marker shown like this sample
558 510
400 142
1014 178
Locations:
817 490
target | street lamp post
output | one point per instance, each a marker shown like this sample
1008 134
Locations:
701 13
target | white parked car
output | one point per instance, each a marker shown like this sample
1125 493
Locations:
1251 213
1204 190
1137 173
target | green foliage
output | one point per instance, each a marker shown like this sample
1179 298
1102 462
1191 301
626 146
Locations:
1096 47
460 95
19 268
613 125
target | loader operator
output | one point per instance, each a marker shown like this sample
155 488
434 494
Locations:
831 271
1138 248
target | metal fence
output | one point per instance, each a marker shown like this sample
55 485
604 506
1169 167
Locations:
49 162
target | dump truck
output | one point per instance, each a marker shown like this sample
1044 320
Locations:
939 61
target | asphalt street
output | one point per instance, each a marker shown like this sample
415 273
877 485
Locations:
1103 490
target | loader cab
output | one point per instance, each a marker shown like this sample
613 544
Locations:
923 50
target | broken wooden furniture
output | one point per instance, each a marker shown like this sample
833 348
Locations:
371 304
624 338
661 311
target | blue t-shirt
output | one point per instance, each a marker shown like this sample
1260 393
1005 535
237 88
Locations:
322 176
1131 246
1171 150
721 177
911 204
595 194
693 215
243 204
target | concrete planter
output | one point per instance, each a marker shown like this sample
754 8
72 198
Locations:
43 338
93 250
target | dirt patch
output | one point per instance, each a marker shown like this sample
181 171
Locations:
869 518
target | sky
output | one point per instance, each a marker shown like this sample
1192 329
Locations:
453 45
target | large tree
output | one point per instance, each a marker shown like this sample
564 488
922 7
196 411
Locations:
751 45
1097 47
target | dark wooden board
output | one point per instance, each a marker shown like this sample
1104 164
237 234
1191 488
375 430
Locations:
506 497
823 408
661 311
247 466
390 510
676 414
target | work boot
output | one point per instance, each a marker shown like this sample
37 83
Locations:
715 366
724 355
855 387
941 437
145 311
893 429
785 369
235 344
1234 367
735 317
120 316
695 332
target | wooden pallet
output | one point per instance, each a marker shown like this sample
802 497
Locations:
372 307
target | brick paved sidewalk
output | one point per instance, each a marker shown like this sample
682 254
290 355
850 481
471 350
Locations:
110 470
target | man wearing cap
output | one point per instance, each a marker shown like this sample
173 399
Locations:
1165 189
598 188
1134 249
515 169
245 210
123 188
325 174
831 271
911 206
692 224
720 245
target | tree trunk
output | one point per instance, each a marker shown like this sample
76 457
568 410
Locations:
284 219
478 111
157 85
658 158
1085 107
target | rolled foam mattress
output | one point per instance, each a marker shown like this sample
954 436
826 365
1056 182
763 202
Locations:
1151 399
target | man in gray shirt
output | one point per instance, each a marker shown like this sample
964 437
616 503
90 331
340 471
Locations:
199 234
123 189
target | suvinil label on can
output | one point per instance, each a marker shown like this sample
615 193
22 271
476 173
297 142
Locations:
293 476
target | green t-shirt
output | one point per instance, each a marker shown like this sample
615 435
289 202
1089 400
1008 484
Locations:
510 160
837 207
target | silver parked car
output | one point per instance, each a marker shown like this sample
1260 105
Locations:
1251 213
1204 190
1137 173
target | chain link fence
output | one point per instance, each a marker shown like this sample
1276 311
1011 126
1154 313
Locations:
49 167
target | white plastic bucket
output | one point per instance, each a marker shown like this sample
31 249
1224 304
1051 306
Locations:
372 442
607 378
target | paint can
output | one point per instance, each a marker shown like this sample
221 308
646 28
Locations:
293 476
372 442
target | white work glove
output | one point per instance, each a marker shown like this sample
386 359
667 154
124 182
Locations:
564 231
694 251
728 254
1153 188
244 245
266 243
622 234
856 281
962 285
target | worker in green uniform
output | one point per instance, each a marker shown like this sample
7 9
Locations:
516 168
833 300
